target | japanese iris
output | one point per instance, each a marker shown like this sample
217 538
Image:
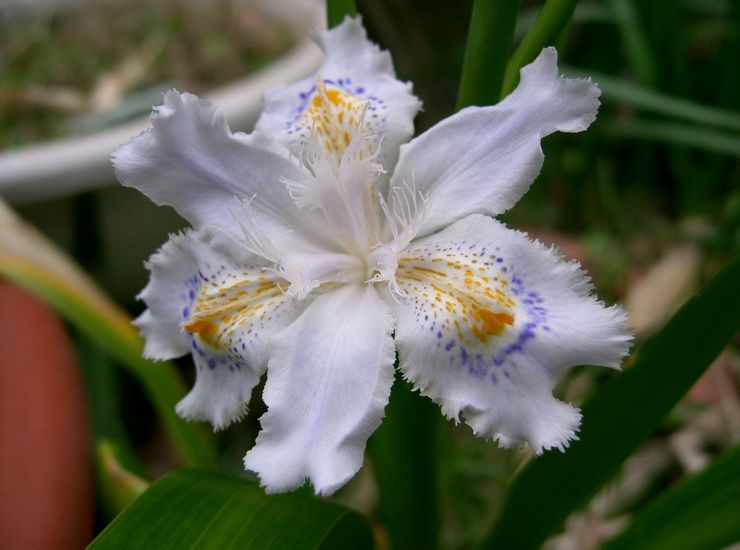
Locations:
323 245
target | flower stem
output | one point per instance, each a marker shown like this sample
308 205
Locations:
554 16
404 451
489 39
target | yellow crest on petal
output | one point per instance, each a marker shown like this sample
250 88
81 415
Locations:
465 295
335 117
220 309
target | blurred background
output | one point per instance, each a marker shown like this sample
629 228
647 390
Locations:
648 199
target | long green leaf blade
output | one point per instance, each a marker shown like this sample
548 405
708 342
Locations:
202 510
700 512
489 39
119 484
634 95
623 413
638 53
676 133
555 15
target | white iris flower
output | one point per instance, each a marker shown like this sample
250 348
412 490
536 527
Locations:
324 245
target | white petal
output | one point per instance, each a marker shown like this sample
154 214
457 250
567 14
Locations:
222 387
303 264
363 74
163 340
191 161
168 296
202 301
490 320
328 381
483 159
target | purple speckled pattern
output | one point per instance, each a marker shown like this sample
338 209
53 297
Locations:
461 280
217 295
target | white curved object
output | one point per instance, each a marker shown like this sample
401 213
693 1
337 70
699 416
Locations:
66 166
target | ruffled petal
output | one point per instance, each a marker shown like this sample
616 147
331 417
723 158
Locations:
328 381
223 385
169 295
490 319
483 159
191 161
355 78
202 301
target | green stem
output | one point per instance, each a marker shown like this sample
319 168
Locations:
489 40
404 451
337 10
554 16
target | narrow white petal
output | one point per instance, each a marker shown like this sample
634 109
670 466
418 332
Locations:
191 161
328 381
483 159
490 320
363 76
202 301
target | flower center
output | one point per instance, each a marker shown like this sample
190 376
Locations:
339 152
382 264
341 180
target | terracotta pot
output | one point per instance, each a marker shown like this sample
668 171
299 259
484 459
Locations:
46 497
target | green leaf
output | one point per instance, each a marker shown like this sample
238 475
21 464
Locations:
33 262
586 12
648 100
555 15
638 53
118 484
201 509
404 456
489 39
337 10
676 133
622 414
101 385
700 512
120 476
